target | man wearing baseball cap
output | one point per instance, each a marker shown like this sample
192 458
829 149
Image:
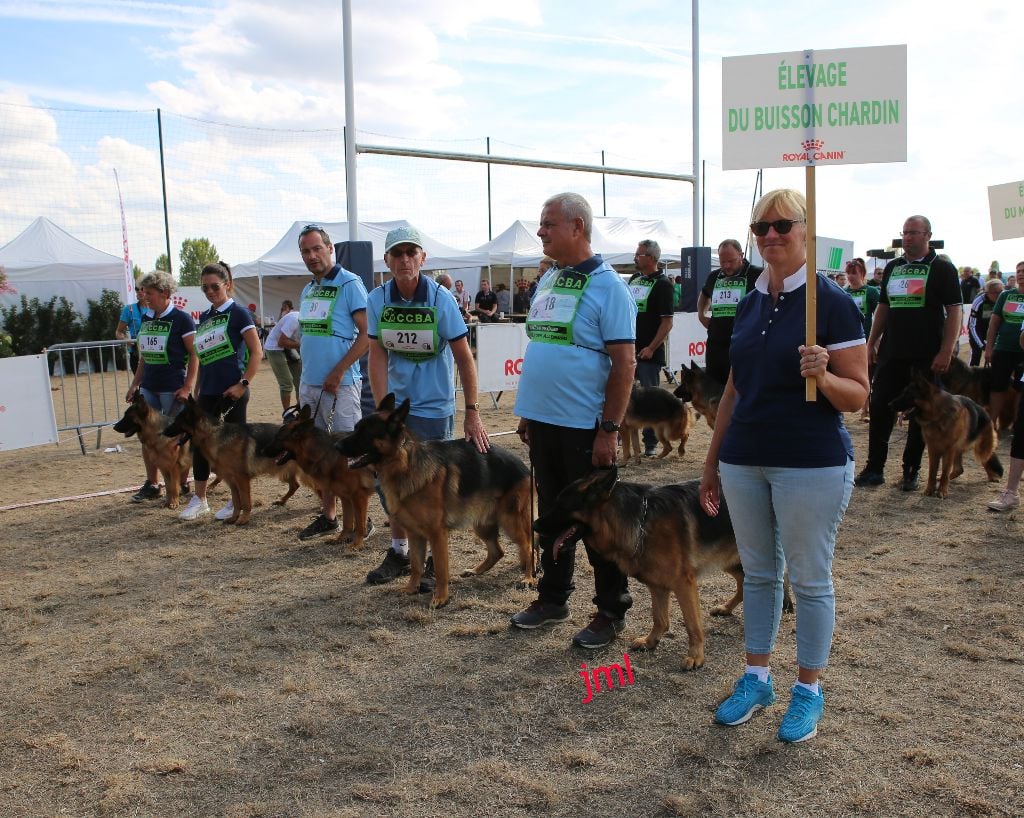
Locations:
421 370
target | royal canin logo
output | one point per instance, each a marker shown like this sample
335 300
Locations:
179 301
811 151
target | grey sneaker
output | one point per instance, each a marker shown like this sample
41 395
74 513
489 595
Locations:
393 566
320 526
149 491
538 614
1006 501
601 631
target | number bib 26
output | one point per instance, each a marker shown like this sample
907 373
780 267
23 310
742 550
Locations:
907 285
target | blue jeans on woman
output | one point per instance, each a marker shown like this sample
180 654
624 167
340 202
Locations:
788 516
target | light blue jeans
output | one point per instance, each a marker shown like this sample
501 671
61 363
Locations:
786 516
162 401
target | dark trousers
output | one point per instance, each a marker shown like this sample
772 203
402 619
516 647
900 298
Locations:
649 374
976 353
891 378
716 360
212 404
561 455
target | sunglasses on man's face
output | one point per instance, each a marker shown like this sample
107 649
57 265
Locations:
782 226
213 288
411 251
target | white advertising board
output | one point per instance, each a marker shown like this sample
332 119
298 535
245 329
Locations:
1006 207
799 108
26 408
191 300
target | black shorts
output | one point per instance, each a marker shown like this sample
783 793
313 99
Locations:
1004 362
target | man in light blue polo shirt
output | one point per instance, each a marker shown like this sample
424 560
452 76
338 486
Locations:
420 368
332 316
575 386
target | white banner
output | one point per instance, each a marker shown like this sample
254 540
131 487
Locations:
500 349
191 300
833 107
1006 207
26 410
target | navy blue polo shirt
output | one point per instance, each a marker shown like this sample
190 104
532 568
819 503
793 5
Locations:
170 377
772 423
215 378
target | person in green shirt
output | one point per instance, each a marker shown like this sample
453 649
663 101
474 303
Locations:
865 296
1002 344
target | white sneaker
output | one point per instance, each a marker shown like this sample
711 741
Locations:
1006 501
195 509
225 512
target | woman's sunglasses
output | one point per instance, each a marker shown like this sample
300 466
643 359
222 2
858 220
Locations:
211 288
782 226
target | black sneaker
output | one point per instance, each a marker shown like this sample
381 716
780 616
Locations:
540 613
428 581
869 479
601 631
394 566
149 491
320 526
650 452
909 482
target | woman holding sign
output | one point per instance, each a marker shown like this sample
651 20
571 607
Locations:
229 352
786 464
165 338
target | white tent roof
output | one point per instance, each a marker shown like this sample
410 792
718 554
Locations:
45 260
615 238
283 258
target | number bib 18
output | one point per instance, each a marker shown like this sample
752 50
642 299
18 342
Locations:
317 310
554 308
153 337
409 331
212 341
907 285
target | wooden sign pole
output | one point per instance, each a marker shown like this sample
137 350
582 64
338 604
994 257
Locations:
811 334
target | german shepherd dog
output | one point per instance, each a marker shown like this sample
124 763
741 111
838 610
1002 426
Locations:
973 382
660 535
173 461
438 485
657 408
703 391
236 451
950 424
300 441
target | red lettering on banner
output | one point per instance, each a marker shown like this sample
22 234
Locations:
696 348
514 366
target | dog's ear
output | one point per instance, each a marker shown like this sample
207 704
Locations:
139 401
305 413
604 484
396 420
387 404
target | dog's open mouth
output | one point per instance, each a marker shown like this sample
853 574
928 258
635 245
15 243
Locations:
570 536
360 461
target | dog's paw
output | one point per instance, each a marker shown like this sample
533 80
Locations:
693 662
438 601
527 582
720 610
643 643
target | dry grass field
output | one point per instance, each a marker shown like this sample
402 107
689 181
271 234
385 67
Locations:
155 668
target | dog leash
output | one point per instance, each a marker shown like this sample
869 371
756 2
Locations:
329 426
226 412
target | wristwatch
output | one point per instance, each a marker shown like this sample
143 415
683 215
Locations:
609 426
244 381
474 406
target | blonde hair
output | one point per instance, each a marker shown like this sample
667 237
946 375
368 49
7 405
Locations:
785 201
158 280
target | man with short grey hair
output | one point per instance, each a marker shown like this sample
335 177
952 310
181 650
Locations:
332 316
654 297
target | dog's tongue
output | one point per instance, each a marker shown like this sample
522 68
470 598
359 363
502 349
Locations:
570 535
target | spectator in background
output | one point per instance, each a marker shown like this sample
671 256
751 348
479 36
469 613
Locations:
866 297
1002 344
1011 283
876 277
282 349
486 303
722 293
504 298
981 314
131 317
462 296
969 285
521 300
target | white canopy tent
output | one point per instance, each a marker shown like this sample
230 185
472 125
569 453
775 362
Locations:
280 273
44 260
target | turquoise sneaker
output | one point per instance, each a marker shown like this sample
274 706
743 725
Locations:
801 720
749 696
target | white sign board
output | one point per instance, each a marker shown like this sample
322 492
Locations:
191 300
26 408
1006 206
499 356
834 107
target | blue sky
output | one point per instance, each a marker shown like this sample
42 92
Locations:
560 80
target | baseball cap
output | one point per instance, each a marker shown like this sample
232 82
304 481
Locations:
403 235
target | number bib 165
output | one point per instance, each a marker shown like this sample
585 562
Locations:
153 337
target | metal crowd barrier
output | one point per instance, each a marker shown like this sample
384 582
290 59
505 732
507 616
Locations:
93 378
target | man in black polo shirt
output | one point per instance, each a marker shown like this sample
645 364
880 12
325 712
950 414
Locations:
486 303
722 291
654 296
918 323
